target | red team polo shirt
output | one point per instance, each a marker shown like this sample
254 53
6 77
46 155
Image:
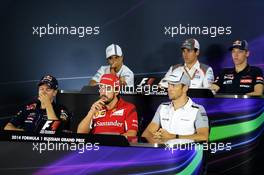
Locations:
117 121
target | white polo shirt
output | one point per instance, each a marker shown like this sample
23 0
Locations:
201 75
123 72
183 121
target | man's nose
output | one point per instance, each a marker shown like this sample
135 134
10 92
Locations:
44 91
102 91
184 54
235 55
110 59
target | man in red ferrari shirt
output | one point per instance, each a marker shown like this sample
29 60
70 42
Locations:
110 114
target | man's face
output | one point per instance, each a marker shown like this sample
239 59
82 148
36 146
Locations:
107 93
175 91
239 56
45 89
190 56
115 61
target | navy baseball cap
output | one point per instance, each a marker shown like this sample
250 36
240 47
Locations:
50 81
242 45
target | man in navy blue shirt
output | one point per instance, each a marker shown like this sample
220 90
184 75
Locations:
243 78
31 116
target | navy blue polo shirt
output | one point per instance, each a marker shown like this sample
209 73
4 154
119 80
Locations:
242 82
30 116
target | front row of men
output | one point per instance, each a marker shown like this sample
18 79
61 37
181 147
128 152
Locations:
179 118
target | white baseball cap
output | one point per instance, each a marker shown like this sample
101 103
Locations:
113 49
178 76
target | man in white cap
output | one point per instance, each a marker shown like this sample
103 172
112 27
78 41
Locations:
114 57
201 75
180 118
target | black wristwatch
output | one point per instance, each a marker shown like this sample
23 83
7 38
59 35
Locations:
177 136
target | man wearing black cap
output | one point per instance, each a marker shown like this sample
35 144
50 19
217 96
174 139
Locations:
114 57
28 119
201 75
243 78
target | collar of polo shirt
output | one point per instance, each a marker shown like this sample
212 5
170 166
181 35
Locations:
195 66
186 106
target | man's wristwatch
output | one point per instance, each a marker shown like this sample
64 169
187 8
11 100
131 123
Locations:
177 136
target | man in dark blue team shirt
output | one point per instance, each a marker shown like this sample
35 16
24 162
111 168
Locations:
33 115
243 78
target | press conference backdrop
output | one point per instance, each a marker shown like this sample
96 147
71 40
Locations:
68 38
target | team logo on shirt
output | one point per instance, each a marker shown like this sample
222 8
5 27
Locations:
165 119
109 123
31 106
259 78
244 85
31 116
246 81
100 114
228 82
229 76
184 119
134 121
118 112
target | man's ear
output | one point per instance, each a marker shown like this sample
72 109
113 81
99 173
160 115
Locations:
185 88
117 90
248 53
121 58
55 93
197 52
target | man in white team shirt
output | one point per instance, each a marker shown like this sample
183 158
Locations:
201 75
180 118
115 66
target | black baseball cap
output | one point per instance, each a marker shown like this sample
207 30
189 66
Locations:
50 81
242 45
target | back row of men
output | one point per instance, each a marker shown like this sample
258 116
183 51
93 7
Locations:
241 79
